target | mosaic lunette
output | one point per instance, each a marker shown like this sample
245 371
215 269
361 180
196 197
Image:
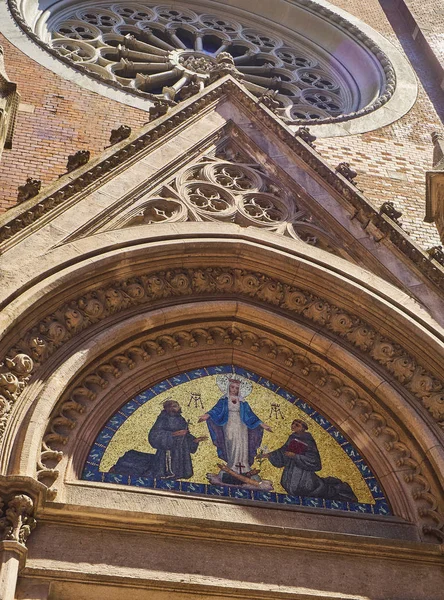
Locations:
224 431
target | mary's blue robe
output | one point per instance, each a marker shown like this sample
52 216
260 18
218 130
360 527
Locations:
219 418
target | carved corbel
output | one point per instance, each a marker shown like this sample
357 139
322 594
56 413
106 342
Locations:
9 102
304 134
17 521
159 108
346 171
118 135
270 100
437 253
19 497
389 209
77 160
28 190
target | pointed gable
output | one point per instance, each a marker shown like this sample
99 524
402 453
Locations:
223 156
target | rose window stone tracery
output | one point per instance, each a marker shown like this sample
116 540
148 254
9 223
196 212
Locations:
171 52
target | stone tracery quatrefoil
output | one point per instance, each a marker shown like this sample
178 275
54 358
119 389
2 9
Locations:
222 190
166 52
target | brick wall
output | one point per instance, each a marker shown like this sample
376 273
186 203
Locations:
59 119
391 161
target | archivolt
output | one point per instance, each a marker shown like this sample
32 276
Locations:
99 303
267 314
102 379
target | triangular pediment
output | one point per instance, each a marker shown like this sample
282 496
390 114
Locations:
228 178
223 157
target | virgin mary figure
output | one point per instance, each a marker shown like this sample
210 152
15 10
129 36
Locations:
235 429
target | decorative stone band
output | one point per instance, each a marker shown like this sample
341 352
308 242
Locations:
94 386
13 224
42 341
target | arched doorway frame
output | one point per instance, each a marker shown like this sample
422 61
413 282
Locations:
315 272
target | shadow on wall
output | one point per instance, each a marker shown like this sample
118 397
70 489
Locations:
422 63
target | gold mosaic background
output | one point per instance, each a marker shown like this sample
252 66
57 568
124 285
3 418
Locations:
133 434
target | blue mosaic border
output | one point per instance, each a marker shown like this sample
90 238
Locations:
91 469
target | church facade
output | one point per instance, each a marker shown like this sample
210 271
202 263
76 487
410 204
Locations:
221 300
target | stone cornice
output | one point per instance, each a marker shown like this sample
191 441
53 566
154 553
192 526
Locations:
246 535
75 185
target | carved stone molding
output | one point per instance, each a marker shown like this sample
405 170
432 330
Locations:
95 385
40 342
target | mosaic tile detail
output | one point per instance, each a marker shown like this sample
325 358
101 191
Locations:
343 482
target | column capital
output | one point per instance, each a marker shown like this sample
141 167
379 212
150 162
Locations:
19 498
16 520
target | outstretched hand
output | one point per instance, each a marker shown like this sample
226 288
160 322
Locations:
266 427
204 417
203 438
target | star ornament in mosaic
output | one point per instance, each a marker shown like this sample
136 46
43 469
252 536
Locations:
224 431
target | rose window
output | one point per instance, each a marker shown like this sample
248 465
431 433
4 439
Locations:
170 52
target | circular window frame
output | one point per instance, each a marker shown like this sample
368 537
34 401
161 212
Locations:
373 117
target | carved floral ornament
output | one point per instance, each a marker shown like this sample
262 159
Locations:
95 385
52 332
169 52
16 517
